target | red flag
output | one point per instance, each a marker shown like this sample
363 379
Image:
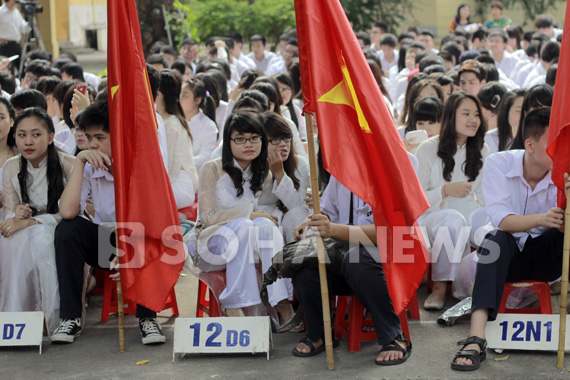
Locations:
559 130
359 140
142 189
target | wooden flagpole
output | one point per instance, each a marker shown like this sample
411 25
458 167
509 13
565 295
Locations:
120 306
120 302
320 244
564 290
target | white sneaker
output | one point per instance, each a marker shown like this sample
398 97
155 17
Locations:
67 331
150 331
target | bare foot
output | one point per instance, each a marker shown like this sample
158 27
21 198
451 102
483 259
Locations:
465 361
285 311
387 356
436 299
303 348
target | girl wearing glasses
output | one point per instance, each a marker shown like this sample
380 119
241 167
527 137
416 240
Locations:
233 228
290 173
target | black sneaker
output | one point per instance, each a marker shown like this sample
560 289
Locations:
150 331
67 331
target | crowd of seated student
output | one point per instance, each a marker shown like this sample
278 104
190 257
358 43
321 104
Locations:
474 112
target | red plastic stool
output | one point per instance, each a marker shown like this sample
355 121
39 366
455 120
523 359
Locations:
191 212
209 306
110 301
352 328
541 288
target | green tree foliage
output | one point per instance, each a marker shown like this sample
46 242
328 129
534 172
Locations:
362 13
532 8
206 18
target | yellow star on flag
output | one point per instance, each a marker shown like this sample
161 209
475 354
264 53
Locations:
114 89
344 93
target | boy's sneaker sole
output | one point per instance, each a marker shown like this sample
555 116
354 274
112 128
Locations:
154 339
64 338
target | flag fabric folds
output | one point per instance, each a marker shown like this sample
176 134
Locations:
559 130
150 265
359 140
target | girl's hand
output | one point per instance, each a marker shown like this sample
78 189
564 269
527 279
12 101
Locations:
235 93
409 146
73 111
23 211
11 225
263 214
276 165
79 100
95 158
458 189
300 232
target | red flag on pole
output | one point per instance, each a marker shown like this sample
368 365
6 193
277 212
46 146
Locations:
559 130
143 193
359 140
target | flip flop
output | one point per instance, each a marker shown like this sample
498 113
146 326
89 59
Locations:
314 351
396 347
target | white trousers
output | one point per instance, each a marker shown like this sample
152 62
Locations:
449 239
236 247
183 190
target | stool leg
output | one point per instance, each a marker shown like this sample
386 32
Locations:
413 307
544 299
355 317
214 310
201 299
174 304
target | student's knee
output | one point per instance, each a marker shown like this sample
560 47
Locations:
455 221
496 245
66 231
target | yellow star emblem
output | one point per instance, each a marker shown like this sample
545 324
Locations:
344 93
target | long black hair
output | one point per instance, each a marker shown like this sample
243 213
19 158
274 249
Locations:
504 129
276 127
285 78
458 14
245 122
207 94
448 139
55 173
537 96
12 115
170 86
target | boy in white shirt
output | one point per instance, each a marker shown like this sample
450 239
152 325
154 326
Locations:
77 239
259 54
527 245
498 41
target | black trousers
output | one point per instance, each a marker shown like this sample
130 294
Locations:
76 243
362 275
11 48
501 261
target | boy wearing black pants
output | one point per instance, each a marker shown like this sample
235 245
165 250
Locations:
77 239
521 202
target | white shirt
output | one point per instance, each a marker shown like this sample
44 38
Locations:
247 60
92 80
386 66
37 187
221 117
522 74
264 63
431 178
492 140
508 193
240 66
99 185
204 138
507 64
180 153
285 190
161 132
12 24
536 76
278 66
335 203
64 138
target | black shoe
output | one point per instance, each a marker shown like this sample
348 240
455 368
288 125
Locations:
67 331
150 331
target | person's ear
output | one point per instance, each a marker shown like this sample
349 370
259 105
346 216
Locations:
483 82
197 101
529 145
50 138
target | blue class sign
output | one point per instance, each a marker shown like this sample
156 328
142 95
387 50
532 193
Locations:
222 335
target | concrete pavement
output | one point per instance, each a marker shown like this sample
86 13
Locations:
95 355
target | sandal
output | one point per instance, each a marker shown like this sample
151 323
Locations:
475 357
396 347
314 351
